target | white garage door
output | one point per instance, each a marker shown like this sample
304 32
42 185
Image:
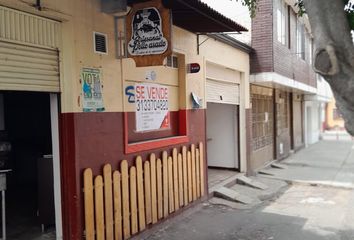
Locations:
222 84
222 92
29 59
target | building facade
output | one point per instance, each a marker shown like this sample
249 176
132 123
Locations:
113 106
316 110
333 118
281 77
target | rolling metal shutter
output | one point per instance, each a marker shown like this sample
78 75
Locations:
29 59
222 92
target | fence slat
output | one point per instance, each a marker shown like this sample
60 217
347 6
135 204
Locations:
160 206
133 203
88 201
185 175
147 185
165 183
153 188
194 187
99 208
125 199
197 170
170 186
108 199
202 178
117 203
180 180
175 178
140 187
189 168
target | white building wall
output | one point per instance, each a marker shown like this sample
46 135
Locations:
312 120
314 109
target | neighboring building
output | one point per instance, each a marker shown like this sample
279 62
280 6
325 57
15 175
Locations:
334 120
227 101
113 111
281 76
315 111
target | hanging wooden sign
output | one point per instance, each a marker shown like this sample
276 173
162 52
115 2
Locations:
149 33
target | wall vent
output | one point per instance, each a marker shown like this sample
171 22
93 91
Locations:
100 43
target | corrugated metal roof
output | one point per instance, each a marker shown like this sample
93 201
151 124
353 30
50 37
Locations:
198 17
232 42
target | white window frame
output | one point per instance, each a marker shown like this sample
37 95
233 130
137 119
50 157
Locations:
282 22
94 42
173 61
300 40
310 50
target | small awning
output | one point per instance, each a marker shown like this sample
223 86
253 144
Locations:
197 17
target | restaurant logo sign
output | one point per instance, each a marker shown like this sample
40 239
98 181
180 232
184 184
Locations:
147 36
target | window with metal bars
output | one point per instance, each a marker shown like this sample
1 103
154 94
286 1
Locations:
282 112
262 121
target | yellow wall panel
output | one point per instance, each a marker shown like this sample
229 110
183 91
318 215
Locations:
80 18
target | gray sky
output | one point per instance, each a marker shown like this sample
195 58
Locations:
234 10
231 8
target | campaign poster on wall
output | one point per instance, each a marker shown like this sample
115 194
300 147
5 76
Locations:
151 107
91 79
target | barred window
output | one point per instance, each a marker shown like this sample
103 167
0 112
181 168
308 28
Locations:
282 112
262 121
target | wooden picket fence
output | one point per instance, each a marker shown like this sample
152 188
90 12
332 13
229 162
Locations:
122 203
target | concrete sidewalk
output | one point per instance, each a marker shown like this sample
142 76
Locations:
329 163
299 212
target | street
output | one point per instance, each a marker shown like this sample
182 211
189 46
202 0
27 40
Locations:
307 209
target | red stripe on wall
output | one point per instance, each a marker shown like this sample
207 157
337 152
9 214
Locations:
90 140
153 144
137 142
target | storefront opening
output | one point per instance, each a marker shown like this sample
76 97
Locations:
30 209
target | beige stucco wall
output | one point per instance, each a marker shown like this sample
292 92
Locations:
330 121
218 53
80 18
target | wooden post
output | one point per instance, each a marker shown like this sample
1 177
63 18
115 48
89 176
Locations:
125 198
108 201
89 207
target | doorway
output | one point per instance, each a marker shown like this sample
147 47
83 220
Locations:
223 136
222 142
30 205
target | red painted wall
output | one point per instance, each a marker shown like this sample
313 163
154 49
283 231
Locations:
90 140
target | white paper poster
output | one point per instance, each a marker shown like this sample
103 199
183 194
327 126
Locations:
151 107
